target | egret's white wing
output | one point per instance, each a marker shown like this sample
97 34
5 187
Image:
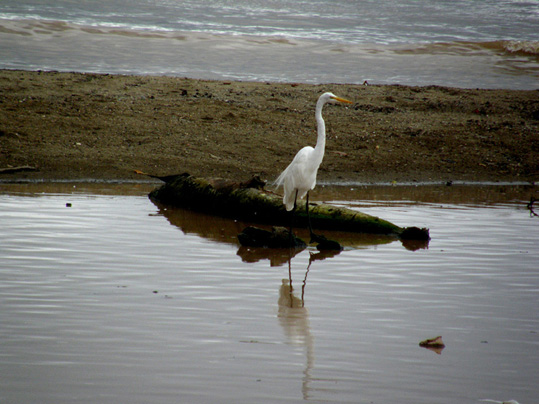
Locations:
297 176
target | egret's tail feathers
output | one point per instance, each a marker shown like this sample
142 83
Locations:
280 179
288 201
288 188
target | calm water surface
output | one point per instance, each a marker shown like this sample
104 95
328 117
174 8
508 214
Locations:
114 299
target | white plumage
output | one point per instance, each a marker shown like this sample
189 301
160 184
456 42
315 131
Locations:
300 175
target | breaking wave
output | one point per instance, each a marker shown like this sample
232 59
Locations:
522 47
507 47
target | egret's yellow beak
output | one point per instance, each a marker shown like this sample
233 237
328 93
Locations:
342 100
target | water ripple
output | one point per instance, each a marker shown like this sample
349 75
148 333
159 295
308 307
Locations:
110 298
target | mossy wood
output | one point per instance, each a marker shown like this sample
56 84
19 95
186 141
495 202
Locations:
250 202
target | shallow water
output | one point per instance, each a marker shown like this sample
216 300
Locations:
115 299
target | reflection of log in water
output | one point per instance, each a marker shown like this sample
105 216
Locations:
226 230
203 225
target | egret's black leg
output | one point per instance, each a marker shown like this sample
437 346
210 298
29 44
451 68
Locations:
309 217
324 243
314 237
292 215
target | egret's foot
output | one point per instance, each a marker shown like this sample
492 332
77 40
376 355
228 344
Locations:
324 243
293 240
315 237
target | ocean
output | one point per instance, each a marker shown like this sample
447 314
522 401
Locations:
459 43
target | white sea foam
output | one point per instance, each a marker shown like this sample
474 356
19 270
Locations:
526 47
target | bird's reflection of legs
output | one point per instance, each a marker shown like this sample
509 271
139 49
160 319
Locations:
294 318
311 259
291 291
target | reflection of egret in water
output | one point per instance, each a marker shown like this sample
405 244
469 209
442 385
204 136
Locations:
294 316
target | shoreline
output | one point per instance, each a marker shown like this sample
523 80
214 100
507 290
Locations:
103 127
144 180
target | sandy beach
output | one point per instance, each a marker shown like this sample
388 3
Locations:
71 126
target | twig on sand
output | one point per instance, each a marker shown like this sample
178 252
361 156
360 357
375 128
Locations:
9 170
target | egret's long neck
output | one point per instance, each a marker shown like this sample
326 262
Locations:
321 126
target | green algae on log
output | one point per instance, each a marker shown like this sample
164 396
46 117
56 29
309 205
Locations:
249 201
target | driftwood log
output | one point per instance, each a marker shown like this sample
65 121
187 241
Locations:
249 201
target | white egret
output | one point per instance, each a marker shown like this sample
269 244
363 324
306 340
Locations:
300 175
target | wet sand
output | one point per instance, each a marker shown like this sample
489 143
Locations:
71 126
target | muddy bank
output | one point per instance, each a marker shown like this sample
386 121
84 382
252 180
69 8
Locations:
90 126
